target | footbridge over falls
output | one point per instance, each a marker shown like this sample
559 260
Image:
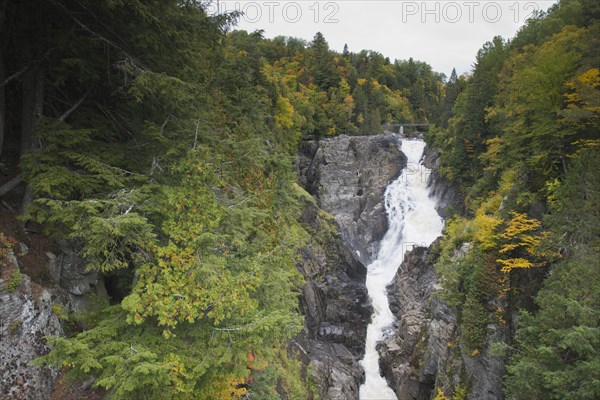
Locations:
403 129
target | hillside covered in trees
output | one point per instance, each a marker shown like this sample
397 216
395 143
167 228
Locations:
161 143
523 144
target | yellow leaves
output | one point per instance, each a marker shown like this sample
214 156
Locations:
284 113
582 145
583 102
234 388
493 153
439 395
511 263
361 81
500 314
591 77
344 87
522 239
517 226
485 230
588 80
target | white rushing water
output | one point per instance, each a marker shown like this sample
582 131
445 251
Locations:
412 220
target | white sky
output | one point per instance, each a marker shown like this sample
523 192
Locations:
444 33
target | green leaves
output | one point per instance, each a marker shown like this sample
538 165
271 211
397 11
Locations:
531 98
559 356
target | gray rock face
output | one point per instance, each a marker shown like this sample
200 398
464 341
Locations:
447 194
421 346
26 317
424 349
336 309
348 177
69 274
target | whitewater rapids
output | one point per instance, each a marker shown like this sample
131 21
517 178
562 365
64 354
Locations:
412 221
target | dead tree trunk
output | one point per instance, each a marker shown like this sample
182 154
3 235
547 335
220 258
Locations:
33 108
2 97
3 5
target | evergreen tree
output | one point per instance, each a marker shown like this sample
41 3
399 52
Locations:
322 66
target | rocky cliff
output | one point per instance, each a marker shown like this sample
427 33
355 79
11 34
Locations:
422 348
447 195
31 309
347 177
424 351
336 307
26 317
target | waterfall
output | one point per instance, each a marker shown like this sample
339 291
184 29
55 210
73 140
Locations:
412 220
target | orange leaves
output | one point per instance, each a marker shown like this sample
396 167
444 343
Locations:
254 362
235 389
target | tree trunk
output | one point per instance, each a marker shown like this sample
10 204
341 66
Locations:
2 96
27 107
2 74
33 108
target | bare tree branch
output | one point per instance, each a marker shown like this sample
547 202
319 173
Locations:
94 33
74 107
16 74
10 185
20 72
196 134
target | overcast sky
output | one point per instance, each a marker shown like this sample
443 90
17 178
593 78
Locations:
445 34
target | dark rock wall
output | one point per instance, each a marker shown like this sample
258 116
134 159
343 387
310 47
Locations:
447 194
336 307
347 177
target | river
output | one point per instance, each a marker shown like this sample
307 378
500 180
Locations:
412 220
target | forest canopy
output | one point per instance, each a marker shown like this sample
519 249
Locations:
160 141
